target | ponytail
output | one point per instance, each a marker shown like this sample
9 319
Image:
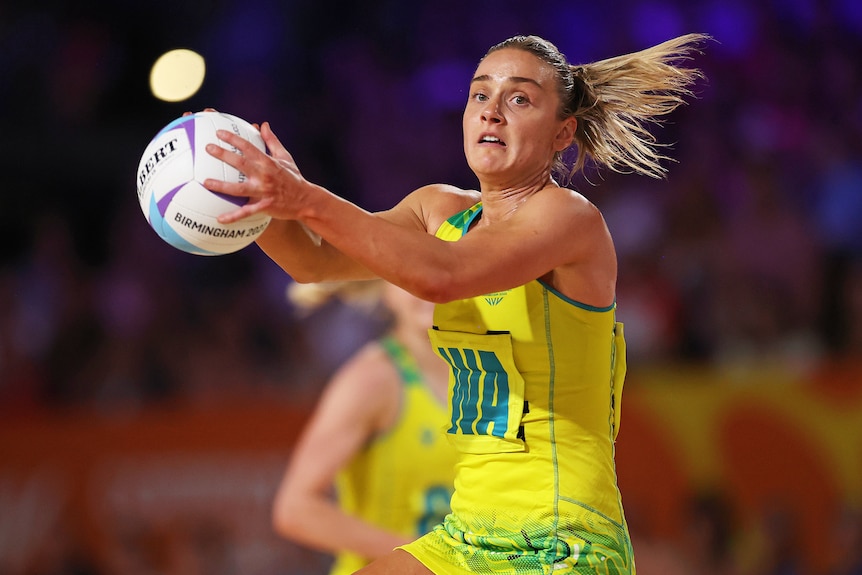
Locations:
622 95
614 101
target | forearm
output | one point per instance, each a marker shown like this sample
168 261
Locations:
307 259
322 525
390 245
356 244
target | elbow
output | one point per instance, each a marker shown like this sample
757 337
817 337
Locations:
436 288
285 519
434 296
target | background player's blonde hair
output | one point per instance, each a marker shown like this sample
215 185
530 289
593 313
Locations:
614 100
366 295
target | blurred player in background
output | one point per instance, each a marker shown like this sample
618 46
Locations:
377 436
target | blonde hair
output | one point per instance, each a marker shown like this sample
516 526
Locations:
615 99
365 295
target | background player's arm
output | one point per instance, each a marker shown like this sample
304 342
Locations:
360 402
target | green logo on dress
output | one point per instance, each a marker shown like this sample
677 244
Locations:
493 299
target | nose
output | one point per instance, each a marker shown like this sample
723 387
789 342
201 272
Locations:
491 112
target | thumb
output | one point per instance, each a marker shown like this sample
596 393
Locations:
273 144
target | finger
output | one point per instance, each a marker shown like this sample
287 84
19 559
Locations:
273 144
229 188
243 212
247 148
237 151
227 156
205 110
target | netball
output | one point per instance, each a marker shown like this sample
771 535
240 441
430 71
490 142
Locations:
171 193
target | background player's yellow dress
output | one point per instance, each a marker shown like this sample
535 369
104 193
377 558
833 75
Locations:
402 481
535 387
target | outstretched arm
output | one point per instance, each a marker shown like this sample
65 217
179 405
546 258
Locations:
556 230
304 255
356 406
275 185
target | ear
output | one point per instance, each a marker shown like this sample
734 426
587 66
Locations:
566 134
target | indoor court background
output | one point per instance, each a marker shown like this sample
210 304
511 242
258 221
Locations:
149 399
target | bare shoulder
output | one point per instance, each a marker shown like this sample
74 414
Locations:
435 203
584 216
368 370
574 224
369 383
572 201
563 207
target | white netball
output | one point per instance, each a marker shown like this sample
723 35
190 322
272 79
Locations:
170 191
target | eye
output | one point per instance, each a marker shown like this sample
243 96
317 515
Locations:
479 97
520 100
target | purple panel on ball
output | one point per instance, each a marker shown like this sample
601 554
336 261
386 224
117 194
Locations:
166 200
189 127
235 200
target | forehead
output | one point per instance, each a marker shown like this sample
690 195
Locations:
510 63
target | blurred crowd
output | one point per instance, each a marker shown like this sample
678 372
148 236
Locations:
749 251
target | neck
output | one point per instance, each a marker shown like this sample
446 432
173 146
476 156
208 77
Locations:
501 202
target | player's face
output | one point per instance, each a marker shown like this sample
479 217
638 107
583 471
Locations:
511 124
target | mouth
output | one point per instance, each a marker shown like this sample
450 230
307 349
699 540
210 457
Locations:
488 139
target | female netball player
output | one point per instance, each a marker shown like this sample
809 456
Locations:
523 271
376 435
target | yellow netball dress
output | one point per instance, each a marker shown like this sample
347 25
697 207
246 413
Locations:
402 481
534 391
